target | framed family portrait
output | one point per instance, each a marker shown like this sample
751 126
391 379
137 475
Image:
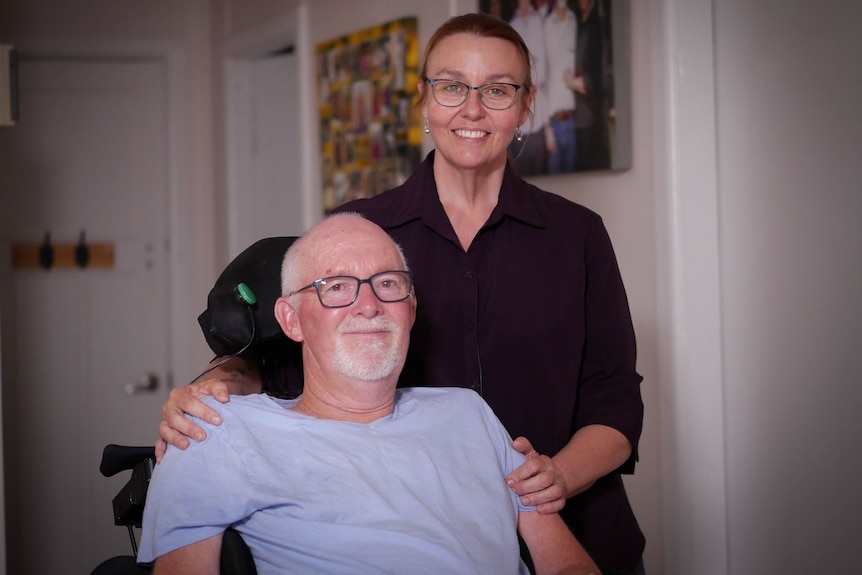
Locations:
581 115
370 131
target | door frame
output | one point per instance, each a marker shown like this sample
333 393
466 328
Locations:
241 52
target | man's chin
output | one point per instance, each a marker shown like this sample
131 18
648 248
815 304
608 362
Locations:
374 359
369 376
371 368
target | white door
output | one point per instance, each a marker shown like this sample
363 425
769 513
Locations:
88 153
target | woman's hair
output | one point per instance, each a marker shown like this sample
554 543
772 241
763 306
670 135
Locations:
483 26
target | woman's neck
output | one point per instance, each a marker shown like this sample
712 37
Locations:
468 198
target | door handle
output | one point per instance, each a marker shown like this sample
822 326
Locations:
147 382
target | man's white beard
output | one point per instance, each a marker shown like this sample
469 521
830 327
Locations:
377 359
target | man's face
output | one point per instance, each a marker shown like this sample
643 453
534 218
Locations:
367 340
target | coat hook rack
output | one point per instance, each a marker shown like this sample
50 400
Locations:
48 255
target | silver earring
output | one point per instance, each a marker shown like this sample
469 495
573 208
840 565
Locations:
426 127
518 135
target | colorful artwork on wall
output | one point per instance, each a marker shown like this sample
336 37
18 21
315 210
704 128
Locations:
370 132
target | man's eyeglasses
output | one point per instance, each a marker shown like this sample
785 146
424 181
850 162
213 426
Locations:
342 291
452 93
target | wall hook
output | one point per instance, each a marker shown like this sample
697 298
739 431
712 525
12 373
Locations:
82 252
46 252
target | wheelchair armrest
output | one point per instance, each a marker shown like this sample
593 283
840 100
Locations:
116 458
129 502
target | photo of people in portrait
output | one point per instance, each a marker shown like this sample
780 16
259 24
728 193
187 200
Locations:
580 116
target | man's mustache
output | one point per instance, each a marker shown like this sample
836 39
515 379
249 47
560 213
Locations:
364 324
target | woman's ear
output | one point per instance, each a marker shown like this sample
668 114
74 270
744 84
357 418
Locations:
287 318
527 105
423 98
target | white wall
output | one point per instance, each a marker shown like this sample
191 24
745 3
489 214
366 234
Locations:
789 91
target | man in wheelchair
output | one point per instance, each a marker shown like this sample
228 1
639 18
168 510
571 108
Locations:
354 476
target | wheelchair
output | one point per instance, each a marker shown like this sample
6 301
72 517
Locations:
238 320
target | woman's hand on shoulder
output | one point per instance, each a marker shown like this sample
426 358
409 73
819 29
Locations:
236 376
175 428
537 481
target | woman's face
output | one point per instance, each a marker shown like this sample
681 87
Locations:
472 136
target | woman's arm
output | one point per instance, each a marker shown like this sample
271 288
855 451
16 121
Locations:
553 548
546 482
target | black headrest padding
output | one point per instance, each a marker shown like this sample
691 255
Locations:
226 322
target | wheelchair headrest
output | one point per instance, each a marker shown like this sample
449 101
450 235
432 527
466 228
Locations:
231 316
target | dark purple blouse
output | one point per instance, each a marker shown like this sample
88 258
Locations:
534 317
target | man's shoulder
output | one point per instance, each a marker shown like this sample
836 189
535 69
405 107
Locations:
250 401
250 409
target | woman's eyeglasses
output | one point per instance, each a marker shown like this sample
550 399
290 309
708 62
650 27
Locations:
452 93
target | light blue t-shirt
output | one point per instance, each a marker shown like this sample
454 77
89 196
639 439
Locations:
419 491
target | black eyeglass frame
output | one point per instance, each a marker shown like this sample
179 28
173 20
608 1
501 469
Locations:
432 81
316 285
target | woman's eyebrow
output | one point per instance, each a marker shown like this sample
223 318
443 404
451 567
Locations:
456 75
